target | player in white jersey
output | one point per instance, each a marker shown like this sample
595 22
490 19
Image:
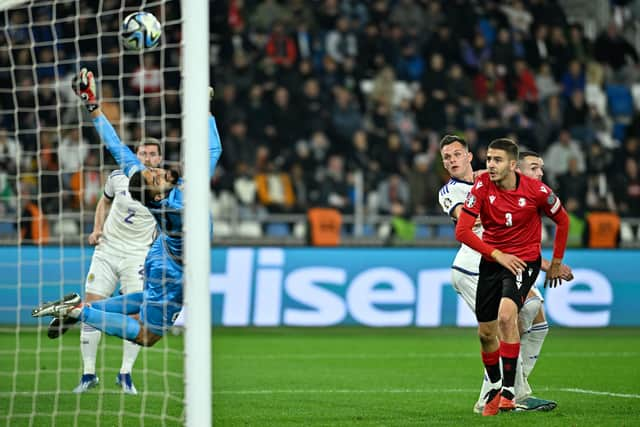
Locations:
464 270
123 231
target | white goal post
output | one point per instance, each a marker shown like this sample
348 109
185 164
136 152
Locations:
196 216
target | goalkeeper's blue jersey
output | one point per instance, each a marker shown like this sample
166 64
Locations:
167 212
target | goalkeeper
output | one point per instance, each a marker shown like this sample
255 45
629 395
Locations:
161 190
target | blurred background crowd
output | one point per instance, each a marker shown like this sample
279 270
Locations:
333 103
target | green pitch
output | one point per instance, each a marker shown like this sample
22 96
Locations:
322 377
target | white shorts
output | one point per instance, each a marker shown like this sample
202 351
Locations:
536 292
466 286
107 270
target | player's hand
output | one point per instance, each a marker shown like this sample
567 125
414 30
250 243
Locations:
94 237
511 262
565 273
554 275
84 85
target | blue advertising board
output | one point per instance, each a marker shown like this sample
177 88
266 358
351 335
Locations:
338 286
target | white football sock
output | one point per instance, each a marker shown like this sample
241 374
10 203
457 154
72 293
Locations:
487 385
89 340
531 344
130 352
521 385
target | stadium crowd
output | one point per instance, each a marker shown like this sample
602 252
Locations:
311 93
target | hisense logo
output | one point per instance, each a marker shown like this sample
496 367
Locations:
260 287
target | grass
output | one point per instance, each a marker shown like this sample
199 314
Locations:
321 377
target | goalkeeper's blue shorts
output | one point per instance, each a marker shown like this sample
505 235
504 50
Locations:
162 299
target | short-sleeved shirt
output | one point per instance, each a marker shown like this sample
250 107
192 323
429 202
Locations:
512 219
452 195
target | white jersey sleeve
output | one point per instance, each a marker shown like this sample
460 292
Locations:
116 183
452 194
129 228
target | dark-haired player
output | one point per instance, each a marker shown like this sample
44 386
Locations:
160 190
509 205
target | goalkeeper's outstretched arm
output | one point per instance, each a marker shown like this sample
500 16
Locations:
84 86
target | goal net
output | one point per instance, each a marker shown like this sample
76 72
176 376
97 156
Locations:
52 171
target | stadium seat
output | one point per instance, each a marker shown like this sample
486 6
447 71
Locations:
249 229
300 230
620 102
66 227
368 230
619 131
222 228
423 231
278 229
635 92
626 232
596 97
447 231
7 228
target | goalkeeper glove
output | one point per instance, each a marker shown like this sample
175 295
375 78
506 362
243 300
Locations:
84 85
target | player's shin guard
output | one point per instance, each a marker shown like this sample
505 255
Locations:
116 324
532 345
89 340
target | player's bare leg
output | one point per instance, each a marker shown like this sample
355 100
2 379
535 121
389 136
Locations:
146 338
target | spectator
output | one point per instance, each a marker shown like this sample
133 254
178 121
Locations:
281 48
617 54
33 225
488 82
476 53
626 189
573 79
556 158
345 118
342 42
573 183
72 152
537 47
546 83
394 196
335 188
423 185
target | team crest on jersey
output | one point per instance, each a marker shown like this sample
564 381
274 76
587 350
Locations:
492 198
471 200
543 189
91 277
521 202
447 203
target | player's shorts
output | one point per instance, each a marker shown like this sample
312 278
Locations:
536 292
496 282
162 299
106 271
466 285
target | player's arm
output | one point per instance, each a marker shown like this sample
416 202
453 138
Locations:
565 271
102 210
465 234
84 86
215 145
554 210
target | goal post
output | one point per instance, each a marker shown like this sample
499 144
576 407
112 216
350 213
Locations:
197 263
59 167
